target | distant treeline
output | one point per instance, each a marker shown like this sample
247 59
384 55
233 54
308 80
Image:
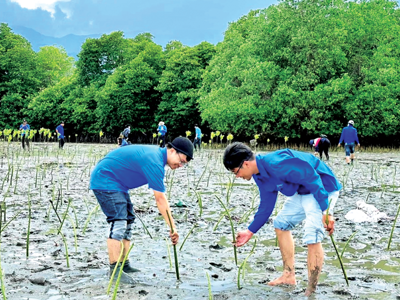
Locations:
295 69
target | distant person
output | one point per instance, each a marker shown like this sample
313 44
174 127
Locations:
197 138
122 142
162 131
60 134
349 136
24 128
128 168
321 145
125 134
310 186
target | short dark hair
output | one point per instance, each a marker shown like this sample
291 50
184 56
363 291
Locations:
196 125
235 154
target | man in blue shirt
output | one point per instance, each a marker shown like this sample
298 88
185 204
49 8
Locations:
309 184
60 134
125 134
128 168
197 139
349 136
24 127
162 130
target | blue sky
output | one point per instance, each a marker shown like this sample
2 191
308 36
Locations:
189 21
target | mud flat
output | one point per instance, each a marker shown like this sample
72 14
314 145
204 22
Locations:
47 175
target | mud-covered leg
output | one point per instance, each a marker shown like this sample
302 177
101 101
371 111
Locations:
315 260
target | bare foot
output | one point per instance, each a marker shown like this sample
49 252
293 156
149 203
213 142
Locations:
289 279
309 292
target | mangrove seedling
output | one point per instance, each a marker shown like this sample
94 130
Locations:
243 265
393 226
232 228
210 296
175 254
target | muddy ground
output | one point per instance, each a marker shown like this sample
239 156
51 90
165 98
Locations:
46 174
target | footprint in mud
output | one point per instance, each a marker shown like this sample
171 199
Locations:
221 266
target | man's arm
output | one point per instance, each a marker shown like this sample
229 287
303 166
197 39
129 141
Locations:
267 204
163 207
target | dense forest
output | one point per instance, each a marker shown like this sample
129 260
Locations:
296 69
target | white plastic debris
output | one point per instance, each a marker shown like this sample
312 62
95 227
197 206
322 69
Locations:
365 213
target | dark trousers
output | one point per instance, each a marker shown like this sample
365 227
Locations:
323 146
25 140
161 141
197 142
60 143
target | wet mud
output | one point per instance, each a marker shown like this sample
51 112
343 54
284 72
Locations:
52 180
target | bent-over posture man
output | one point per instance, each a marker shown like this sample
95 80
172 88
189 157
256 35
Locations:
321 145
128 168
60 134
349 136
309 185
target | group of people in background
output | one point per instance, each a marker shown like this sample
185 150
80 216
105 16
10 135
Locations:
349 137
25 127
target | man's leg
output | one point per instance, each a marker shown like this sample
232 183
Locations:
315 260
313 236
27 142
23 142
290 215
352 155
286 246
114 250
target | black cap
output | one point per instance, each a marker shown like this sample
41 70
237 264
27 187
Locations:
183 145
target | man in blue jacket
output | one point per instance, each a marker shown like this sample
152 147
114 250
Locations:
60 134
197 138
162 130
24 128
349 136
127 168
310 186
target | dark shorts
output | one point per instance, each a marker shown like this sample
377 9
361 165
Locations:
115 205
349 148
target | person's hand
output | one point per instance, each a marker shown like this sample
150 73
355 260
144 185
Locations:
329 223
174 237
338 145
359 145
242 237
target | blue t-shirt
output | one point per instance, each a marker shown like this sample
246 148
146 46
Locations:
60 130
290 171
25 128
198 132
130 167
349 135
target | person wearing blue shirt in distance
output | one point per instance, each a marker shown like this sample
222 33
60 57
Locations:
162 130
24 127
197 139
309 185
60 134
349 136
122 142
127 168
125 134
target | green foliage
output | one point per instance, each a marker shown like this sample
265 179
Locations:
302 67
54 64
129 94
179 85
18 76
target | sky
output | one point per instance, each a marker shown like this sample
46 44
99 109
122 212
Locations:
189 21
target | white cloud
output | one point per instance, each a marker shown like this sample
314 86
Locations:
47 5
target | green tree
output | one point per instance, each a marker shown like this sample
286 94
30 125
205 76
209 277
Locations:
306 67
18 76
179 86
129 95
54 64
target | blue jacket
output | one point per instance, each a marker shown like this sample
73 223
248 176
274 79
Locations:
289 172
349 135
162 129
198 132
25 129
60 130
